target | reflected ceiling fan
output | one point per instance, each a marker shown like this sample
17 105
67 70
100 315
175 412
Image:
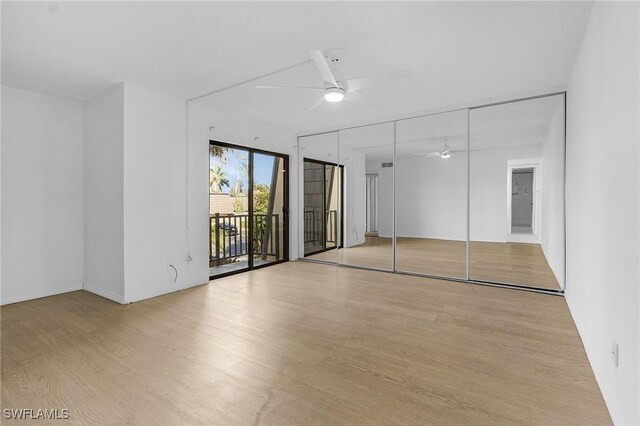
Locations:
445 152
336 88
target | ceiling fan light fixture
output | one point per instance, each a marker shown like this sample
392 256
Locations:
334 94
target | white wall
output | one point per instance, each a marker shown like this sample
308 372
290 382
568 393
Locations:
385 196
42 195
552 235
104 194
355 220
431 194
603 274
431 197
154 197
488 219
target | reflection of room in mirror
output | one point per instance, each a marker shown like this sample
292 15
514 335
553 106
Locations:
522 201
517 193
431 195
367 155
486 205
321 220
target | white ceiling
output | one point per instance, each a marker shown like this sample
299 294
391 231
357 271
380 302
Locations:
459 52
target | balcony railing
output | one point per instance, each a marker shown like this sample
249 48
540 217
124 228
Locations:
317 227
229 237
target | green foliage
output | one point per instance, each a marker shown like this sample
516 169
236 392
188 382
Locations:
238 206
260 198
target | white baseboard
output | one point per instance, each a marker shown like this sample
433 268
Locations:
39 294
151 295
119 298
523 238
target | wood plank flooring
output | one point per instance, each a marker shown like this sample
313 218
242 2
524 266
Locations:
303 344
510 263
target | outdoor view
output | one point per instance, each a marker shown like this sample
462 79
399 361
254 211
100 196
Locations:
244 232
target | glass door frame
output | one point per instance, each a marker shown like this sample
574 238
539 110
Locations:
339 244
285 193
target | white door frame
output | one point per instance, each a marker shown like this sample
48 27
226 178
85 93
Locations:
372 178
536 222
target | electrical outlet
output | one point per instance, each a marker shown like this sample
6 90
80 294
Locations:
615 353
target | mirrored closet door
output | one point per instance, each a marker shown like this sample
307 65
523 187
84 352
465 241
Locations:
517 230
473 194
366 154
431 195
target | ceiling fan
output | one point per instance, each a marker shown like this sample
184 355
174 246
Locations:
336 88
445 152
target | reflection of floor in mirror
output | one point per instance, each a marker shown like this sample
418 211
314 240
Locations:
313 250
514 263
516 229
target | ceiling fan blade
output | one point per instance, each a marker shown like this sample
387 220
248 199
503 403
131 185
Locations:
290 87
319 102
427 154
355 97
359 83
323 67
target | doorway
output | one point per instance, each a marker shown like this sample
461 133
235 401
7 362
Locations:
522 201
524 213
248 208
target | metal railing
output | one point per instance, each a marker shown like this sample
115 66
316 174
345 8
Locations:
229 237
317 227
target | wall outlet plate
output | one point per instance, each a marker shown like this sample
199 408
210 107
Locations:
615 353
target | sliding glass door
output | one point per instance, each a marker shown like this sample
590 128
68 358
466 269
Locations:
248 208
228 209
321 221
322 201
269 209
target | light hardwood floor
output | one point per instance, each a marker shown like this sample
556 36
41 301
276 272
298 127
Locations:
303 343
510 263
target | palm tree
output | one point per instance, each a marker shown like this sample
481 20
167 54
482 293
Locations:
217 179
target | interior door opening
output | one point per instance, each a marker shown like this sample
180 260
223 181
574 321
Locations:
522 199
